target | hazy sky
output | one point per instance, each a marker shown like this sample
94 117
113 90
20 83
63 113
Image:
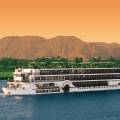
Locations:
90 20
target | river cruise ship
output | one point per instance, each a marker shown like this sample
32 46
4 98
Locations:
63 80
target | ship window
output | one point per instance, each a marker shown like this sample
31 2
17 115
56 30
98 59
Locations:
43 91
52 90
36 91
49 90
37 78
40 91
55 90
43 78
49 78
45 85
51 84
46 90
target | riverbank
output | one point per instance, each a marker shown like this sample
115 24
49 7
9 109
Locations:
6 75
8 65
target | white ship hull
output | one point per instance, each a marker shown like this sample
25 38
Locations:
31 91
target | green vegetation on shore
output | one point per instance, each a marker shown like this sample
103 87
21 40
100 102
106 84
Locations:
5 75
7 65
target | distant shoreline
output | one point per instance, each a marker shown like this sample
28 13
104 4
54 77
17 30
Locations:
7 65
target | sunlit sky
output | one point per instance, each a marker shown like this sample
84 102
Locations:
90 20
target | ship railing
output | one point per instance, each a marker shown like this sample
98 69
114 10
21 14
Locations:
94 87
42 87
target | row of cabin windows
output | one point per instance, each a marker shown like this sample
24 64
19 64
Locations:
78 71
90 83
93 77
79 77
48 91
50 78
112 86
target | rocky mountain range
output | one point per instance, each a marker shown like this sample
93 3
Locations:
30 47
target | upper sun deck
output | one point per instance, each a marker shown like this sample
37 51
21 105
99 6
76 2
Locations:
77 71
66 71
66 74
21 74
75 68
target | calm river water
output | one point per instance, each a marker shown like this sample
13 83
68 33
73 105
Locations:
77 106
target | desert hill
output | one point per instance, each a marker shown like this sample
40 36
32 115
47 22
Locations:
30 47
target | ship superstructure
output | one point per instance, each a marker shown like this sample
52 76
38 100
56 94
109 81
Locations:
63 80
